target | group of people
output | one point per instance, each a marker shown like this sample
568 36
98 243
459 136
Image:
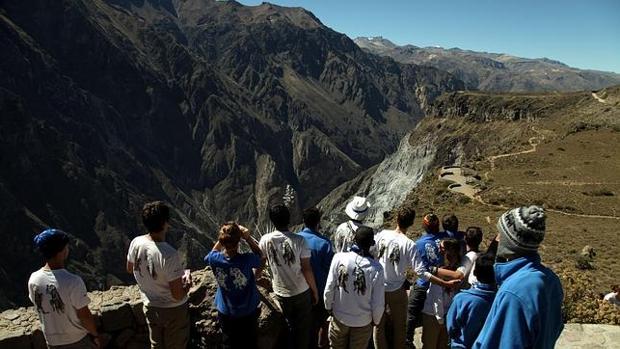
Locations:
360 289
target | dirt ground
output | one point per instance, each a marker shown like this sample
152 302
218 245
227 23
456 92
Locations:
573 171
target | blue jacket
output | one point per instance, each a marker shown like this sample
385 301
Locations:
527 310
427 251
467 314
321 254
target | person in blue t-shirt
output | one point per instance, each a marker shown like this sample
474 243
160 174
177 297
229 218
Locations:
321 254
427 256
237 297
470 307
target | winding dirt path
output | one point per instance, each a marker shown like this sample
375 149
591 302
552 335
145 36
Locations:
598 98
534 142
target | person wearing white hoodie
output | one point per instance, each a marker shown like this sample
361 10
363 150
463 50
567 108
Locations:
354 294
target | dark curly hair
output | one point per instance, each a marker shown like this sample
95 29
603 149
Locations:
154 215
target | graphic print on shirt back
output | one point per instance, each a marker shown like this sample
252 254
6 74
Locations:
239 280
55 301
394 253
220 277
150 266
429 247
138 264
343 277
38 300
273 253
287 252
382 248
359 280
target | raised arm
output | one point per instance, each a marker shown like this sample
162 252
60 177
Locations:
247 236
420 266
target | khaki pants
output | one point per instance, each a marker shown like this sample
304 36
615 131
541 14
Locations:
342 336
84 343
434 334
168 327
393 325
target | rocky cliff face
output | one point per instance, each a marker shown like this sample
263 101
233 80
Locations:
482 107
495 71
215 107
385 185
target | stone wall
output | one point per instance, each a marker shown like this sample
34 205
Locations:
120 319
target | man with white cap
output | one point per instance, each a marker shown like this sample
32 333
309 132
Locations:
357 210
527 310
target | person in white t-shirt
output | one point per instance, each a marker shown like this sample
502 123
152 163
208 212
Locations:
357 210
157 268
293 282
396 252
613 297
60 297
354 294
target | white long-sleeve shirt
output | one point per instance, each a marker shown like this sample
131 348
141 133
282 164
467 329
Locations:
355 290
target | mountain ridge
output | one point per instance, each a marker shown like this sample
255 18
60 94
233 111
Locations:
217 108
498 72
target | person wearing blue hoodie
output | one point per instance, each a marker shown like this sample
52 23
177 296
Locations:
321 254
527 310
470 307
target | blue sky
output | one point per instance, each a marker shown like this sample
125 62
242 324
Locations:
583 34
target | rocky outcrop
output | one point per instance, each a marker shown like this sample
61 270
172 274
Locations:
120 319
481 107
215 107
385 185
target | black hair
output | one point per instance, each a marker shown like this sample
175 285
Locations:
484 271
473 238
53 245
312 217
405 217
280 216
364 238
449 222
452 247
155 215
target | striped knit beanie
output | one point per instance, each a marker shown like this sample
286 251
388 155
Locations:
521 231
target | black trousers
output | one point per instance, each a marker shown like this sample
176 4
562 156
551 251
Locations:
417 297
239 332
297 311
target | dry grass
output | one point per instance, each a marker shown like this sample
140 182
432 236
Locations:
575 170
